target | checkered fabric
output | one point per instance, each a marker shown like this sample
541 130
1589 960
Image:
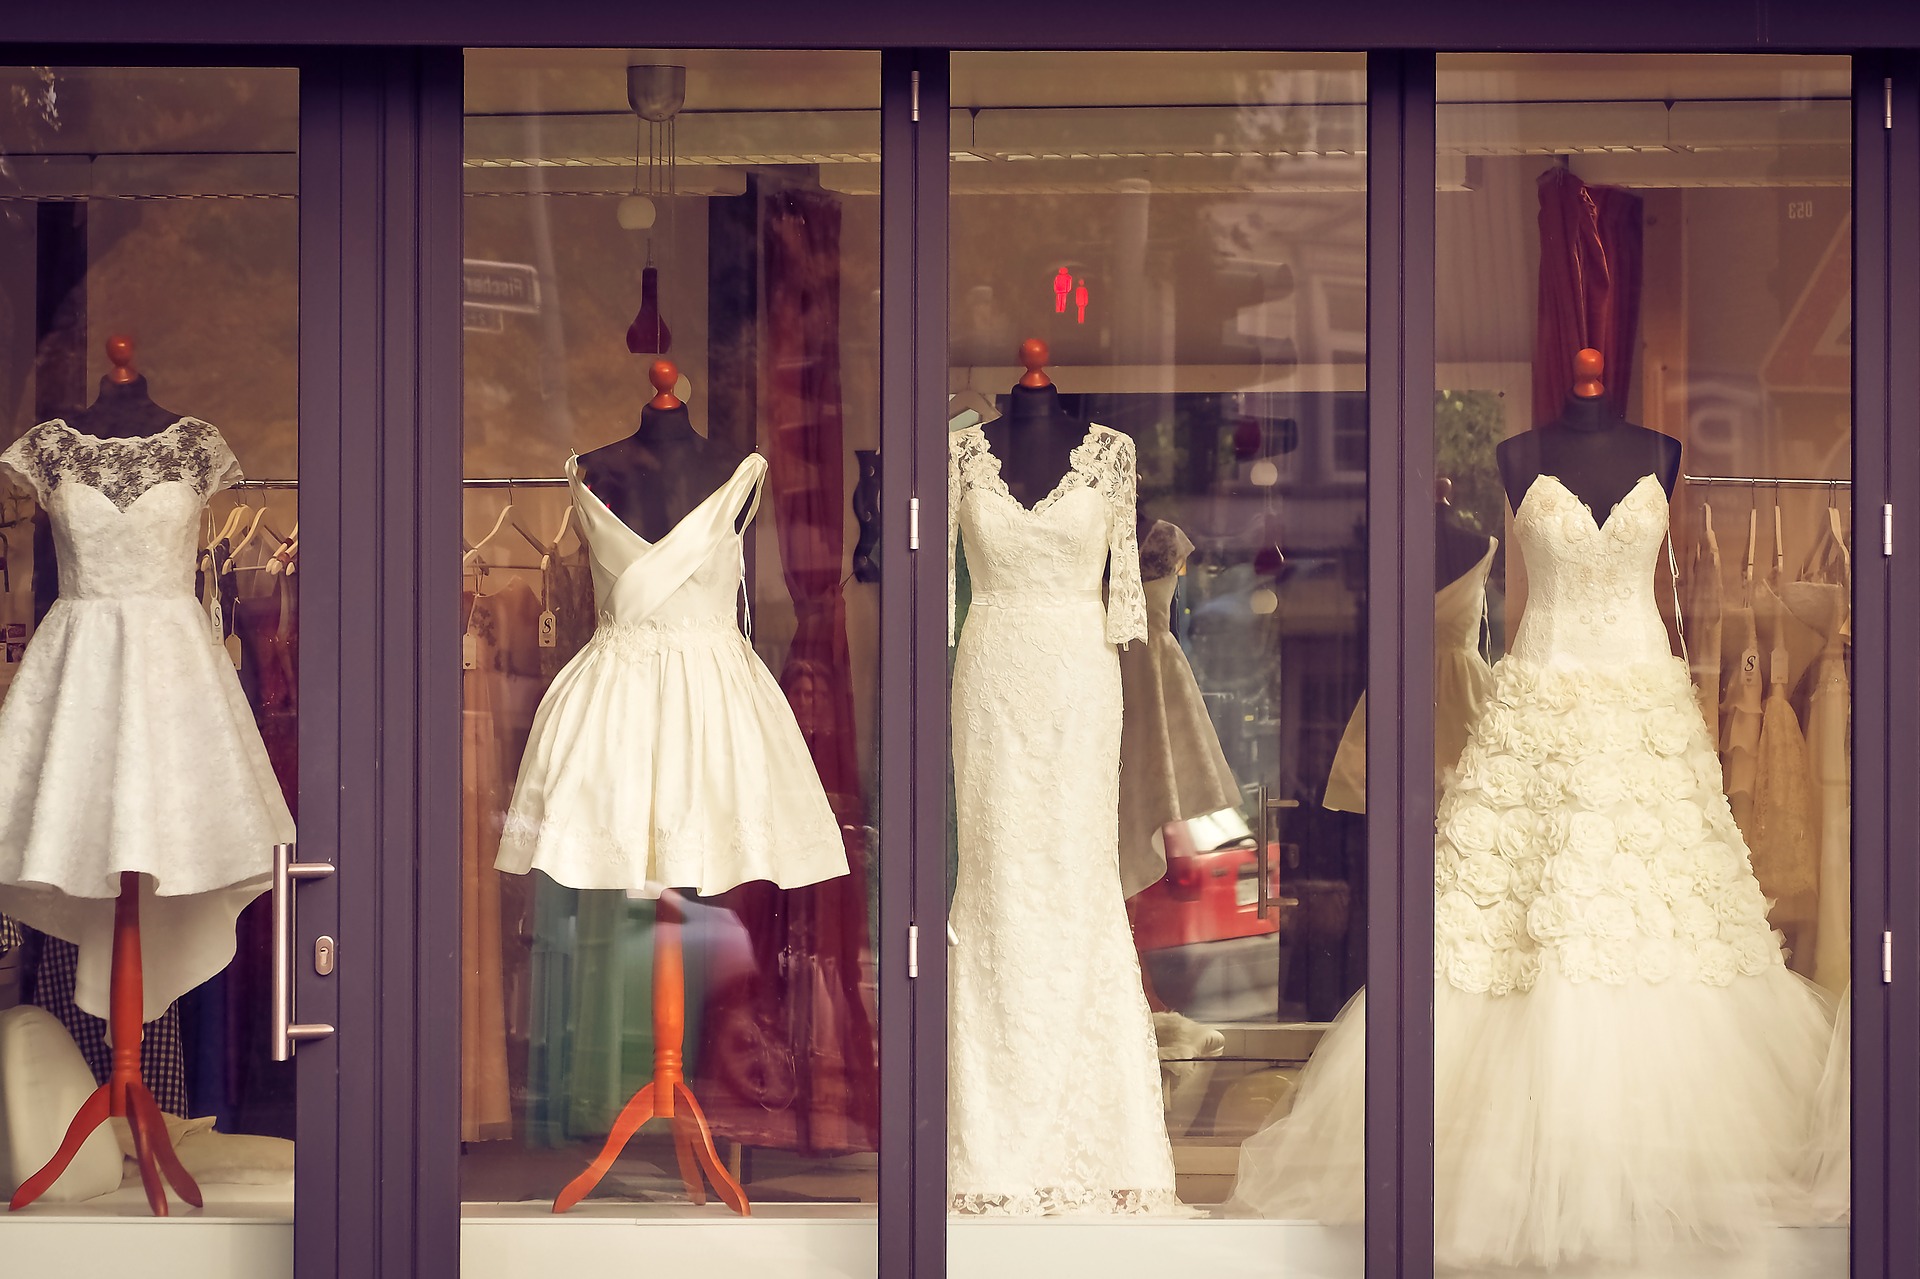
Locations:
161 1060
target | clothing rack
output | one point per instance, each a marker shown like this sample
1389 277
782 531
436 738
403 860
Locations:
1766 481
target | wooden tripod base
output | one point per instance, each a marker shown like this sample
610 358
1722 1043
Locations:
667 1097
692 1143
125 1094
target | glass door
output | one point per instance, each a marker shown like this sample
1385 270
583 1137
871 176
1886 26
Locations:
149 664
1157 440
1644 436
670 618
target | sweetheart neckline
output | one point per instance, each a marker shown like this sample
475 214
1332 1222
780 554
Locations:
1599 526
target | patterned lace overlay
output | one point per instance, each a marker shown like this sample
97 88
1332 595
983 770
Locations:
1053 1074
189 451
1102 463
1587 819
634 641
1055 1201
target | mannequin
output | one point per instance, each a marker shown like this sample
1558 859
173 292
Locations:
655 476
1596 454
1457 547
1036 439
123 410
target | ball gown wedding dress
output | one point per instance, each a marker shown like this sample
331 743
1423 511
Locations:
1624 1065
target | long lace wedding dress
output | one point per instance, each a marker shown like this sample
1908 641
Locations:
1624 1066
1054 1101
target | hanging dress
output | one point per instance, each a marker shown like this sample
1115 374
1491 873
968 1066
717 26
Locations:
1461 681
1171 765
664 755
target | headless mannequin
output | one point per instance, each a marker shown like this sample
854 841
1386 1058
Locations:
1457 547
1035 441
655 476
123 410
1596 454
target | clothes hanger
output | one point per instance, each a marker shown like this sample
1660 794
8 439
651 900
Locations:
508 519
1753 541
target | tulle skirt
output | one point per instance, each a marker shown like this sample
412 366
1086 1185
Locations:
665 756
1580 1121
126 744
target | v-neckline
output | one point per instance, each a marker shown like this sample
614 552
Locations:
573 469
1059 489
1599 526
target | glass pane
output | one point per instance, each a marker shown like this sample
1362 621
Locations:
149 641
671 641
1158 474
1644 429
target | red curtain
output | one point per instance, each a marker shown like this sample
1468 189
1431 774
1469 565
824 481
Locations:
1590 257
791 1053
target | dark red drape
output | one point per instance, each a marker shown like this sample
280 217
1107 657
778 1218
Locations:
791 1054
1590 255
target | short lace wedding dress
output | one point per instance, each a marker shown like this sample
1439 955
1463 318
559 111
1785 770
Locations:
126 743
1054 1102
664 754
1624 1066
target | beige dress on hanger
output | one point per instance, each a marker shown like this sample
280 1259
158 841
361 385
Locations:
1786 858
1821 604
1742 708
1462 681
1706 607
1171 766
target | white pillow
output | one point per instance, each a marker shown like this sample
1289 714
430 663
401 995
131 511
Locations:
43 1082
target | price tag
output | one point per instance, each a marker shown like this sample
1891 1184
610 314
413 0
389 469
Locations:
469 652
549 630
232 645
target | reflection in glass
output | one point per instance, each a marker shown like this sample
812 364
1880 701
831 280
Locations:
149 625
670 676
1157 486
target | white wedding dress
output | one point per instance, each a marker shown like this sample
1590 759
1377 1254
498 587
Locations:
1624 1066
1054 1102
126 743
664 754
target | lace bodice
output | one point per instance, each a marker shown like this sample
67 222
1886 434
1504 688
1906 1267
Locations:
1590 596
124 511
1056 549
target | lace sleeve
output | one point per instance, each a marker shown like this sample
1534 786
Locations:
953 538
223 468
20 464
1126 600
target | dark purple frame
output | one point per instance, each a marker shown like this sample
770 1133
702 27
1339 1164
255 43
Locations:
380 140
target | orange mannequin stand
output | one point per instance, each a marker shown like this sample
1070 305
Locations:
125 1094
668 1096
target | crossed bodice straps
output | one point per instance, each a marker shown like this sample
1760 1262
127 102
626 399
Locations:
633 579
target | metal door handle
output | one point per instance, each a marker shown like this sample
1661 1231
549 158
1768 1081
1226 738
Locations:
286 1031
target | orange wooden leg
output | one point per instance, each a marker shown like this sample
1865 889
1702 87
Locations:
96 1110
689 1170
635 1113
141 1102
692 1123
